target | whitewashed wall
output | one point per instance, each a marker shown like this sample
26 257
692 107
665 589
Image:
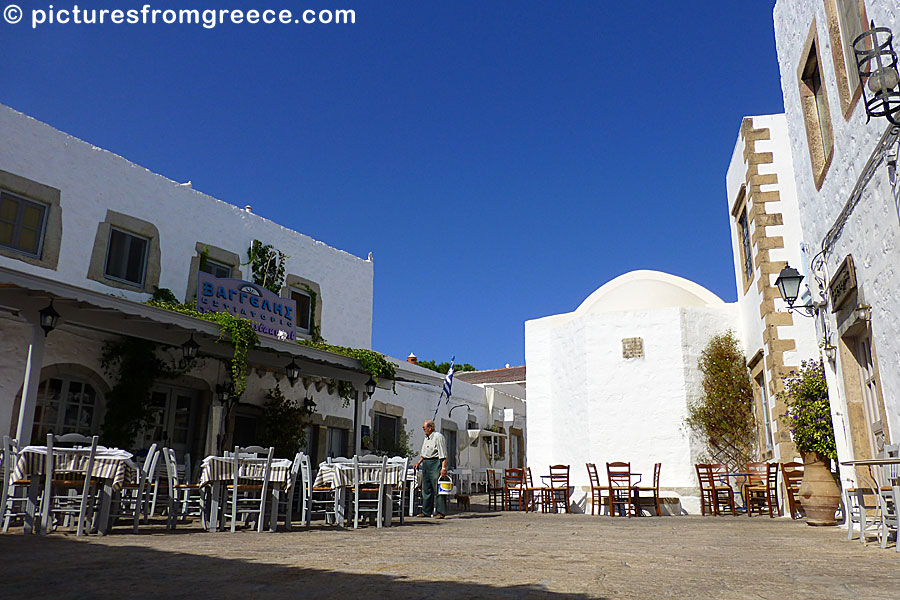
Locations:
872 233
92 180
589 404
803 331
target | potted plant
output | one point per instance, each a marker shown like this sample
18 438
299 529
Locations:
809 418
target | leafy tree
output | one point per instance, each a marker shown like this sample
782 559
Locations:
267 264
284 421
445 366
724 414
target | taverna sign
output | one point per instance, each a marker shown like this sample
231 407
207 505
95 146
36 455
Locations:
270 314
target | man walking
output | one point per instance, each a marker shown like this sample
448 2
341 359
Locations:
434 463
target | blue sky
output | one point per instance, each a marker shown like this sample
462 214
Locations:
501 159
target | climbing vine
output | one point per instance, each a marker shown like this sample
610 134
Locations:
373 362
239 333
314 332
267 264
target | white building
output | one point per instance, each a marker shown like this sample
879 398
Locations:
612 380
765 237
96 234
848 190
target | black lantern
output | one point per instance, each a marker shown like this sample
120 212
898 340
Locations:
876 63
788 284
49 318
309 403
370 387
293 372
189 350
223 394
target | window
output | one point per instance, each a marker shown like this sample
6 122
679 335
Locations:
65 405
814 103
22 224
450 438
387 432
126 257
336 441
744 229
216 269
846 21
766 412
304 310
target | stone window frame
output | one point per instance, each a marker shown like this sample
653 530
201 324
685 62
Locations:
742 207
217 254
814 105
133 225
300 284
840 53
52 235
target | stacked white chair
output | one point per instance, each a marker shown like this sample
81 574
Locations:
184 498
133 499
888 487
286 497
398 495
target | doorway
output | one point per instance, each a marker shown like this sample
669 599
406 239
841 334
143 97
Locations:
172 411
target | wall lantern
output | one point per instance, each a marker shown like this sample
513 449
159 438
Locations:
293 372
309 403
788 284
49 318
830 352
189 351
864 313
876 63
370 387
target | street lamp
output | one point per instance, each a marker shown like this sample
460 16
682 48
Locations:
876 63
189 351
293 372
48 318
788 284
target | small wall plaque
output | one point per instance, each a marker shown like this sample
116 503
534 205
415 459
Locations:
843 284
633 347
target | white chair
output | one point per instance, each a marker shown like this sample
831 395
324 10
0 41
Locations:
10 497
322 499
888 482
68 470
133 499
398 493
368 480
184 498
286 497
861 505
249 494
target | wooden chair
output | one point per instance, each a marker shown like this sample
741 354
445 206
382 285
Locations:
495 491
534 495
763 495
67 471
557 493
707 488
514 488
653 490
792 475
323 499
723 494
620 492
596 489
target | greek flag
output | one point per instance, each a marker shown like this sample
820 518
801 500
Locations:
445 391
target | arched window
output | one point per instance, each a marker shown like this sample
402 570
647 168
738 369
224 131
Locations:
64 405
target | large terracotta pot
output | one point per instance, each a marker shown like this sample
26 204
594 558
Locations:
819 494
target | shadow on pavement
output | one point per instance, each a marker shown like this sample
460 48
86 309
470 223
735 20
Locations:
65 568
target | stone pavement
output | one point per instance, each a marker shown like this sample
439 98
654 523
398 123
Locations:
471 555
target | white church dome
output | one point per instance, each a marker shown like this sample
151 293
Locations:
645 290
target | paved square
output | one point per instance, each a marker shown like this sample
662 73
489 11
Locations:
474 555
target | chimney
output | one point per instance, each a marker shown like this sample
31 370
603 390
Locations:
412 359
248 209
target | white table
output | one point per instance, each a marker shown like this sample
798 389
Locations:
111 465
340 477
